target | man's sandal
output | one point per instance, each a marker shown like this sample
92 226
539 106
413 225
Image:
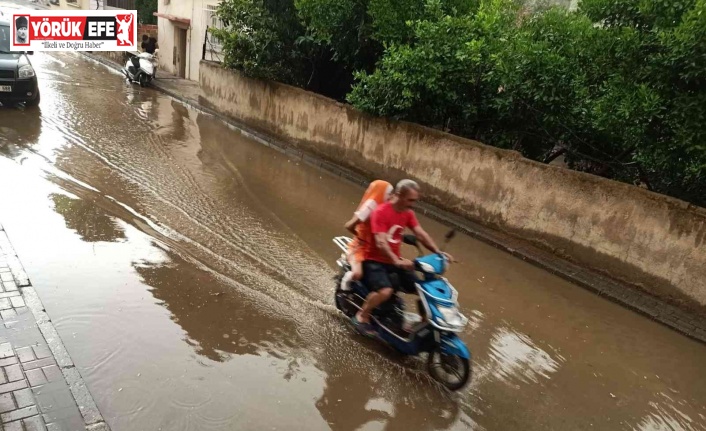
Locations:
364 328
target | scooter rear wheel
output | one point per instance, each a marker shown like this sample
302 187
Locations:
450 370
343 302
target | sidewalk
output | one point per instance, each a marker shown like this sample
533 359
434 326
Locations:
39 385
689 323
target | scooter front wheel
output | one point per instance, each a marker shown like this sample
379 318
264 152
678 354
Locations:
451 371
142 79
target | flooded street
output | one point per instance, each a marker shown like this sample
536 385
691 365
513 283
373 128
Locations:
189 271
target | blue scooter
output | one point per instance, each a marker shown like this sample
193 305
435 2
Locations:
436 327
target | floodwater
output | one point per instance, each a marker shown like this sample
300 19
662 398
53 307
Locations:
188 270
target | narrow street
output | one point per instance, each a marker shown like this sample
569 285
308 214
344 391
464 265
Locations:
189 272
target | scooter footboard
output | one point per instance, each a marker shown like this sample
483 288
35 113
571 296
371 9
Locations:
451 344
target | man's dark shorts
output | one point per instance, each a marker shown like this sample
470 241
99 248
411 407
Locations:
377 275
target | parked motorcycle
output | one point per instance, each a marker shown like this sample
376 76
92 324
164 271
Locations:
140 68
433 330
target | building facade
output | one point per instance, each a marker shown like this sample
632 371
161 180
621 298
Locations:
182 28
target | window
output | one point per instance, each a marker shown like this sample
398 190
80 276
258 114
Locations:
5 38
122 4
213 45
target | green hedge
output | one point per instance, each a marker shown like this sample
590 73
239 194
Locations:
145 11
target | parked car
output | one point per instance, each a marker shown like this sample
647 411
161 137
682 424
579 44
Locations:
18 80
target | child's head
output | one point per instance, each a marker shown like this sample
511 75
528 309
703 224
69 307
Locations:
145 38
380 191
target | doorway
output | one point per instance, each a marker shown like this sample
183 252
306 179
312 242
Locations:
180 52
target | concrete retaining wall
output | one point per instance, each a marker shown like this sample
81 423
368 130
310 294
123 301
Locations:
639 237
118 57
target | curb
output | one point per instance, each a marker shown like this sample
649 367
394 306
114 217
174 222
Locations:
686 322
93 420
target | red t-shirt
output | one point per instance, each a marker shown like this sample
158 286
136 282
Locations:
386 220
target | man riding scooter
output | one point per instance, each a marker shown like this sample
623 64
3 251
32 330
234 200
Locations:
383 259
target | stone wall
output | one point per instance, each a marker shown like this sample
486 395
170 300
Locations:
646 239
150 30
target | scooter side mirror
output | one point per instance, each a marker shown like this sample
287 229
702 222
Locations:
409 239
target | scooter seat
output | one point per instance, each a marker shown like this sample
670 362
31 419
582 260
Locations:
357 285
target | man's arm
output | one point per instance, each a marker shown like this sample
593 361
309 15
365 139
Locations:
425 239
383 246
429 243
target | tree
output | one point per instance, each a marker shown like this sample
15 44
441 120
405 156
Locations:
146 10
660 81
355 32
444 76
260 38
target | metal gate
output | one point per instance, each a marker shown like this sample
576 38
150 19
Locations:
212 46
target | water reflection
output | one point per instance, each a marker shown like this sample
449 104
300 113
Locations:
514 357
217 321
87 219
19 127
178 127
665 414
354 396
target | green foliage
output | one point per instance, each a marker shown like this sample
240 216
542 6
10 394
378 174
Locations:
391 19
340 24
619 86
445 73
261 39
657 76
356 30
640 14
145 11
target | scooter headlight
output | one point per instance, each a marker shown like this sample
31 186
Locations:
453 317
26 71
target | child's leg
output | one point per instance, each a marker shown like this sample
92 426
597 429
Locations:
356 269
